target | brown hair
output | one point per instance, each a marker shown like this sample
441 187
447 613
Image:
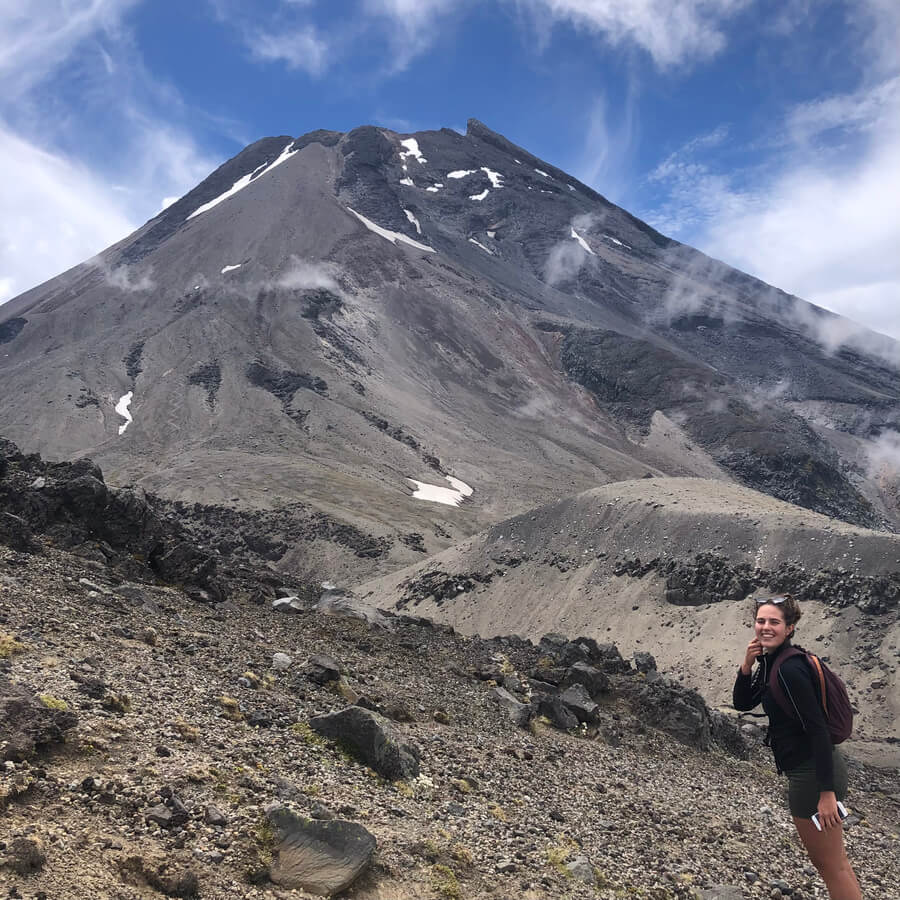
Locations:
790 608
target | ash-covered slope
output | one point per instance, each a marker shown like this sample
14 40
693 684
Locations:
667 565
324 318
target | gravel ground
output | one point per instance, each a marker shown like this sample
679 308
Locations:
497 811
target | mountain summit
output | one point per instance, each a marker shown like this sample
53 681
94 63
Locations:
397 340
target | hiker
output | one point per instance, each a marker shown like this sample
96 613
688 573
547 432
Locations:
800 739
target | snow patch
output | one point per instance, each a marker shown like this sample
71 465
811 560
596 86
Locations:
609 237
392 236
492 234
407 181
241 183
517 161
230 268
451 496
582 241
433 189
461 173
122 410
495 177
412 149
413 220
480 196
540 172
569 186
479 244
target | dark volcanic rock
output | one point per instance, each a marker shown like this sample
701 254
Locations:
15 532
594 681
682 713
372 738
322 857
28 724
11 328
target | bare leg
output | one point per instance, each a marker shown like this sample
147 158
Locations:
826 852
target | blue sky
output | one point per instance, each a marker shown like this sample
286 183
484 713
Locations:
764 133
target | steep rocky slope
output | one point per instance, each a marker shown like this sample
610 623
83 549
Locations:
174 730
667 564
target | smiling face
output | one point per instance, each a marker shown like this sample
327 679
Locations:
770 627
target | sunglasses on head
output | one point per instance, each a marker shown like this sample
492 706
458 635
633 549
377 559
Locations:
776 601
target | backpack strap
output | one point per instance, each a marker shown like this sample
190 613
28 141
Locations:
820 677
774 682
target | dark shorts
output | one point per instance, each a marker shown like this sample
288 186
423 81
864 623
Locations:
803 789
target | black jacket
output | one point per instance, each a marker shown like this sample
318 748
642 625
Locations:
794 741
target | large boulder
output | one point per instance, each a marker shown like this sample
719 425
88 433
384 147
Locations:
593 680
577 700
29 724
372 738
672 708
556 712
519 713
321 857
345 604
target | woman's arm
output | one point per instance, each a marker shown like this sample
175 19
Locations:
744 696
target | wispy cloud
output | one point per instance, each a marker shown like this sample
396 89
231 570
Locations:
299 48
672 32
66 195
37 37
608 146
815 214
55 214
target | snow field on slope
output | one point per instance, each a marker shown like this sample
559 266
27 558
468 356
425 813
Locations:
451 496
122 410
241 183
387 234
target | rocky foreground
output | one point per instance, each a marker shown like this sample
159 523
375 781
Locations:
158 745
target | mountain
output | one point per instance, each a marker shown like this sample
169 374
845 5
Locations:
325 318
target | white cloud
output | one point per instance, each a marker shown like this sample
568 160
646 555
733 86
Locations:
673 32
66 196
36 37
303 275
817 216
55 215
300 48
608 146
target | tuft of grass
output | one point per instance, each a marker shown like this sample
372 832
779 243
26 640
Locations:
463 786
307 735
343 690
444 882
252 677
119 703
497 812
9 646
186 731
52 702
557 854
462 854
230 708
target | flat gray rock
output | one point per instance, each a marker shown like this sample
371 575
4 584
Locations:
322 857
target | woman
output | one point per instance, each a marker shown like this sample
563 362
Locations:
817 776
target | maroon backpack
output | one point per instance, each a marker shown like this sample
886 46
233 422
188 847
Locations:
831 690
